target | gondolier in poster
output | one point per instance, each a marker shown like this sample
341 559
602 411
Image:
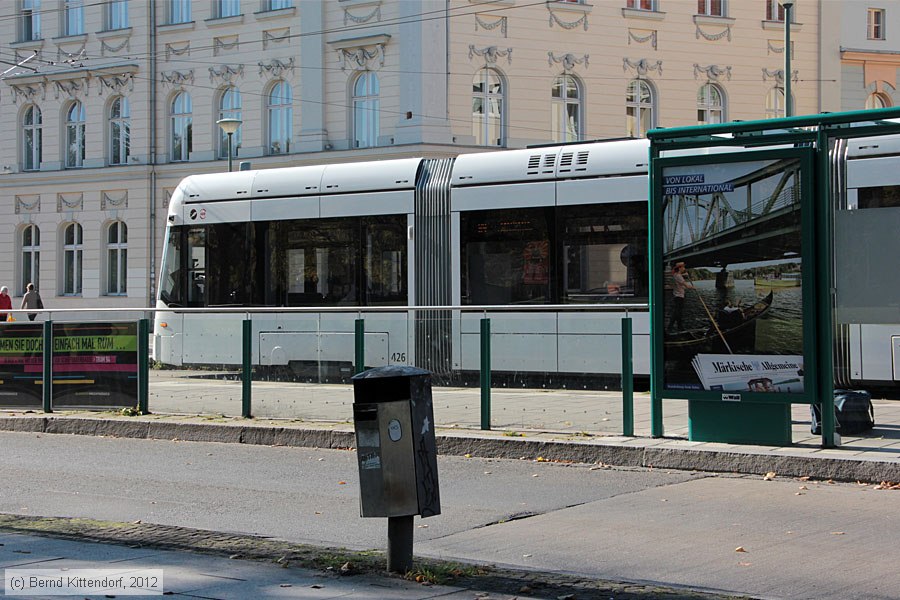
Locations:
740 221
680 284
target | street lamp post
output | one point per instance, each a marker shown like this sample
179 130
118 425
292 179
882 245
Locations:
229 126
788 104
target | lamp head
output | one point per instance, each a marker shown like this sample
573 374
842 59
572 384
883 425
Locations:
229 126
787 3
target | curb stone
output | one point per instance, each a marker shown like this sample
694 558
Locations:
476 578
620 452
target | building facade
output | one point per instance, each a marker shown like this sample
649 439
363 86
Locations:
108 105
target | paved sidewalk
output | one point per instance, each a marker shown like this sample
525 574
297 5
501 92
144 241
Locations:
219 566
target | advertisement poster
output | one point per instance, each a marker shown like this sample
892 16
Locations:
733 311
94 365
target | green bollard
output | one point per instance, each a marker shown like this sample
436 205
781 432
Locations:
246 370
627 379
143 349
48 366
359 338
485 374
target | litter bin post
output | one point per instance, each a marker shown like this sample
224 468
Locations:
396 453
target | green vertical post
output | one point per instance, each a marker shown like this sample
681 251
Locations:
656 304
48 366
143 350
246 370
359 338
825 280
627 379
485 374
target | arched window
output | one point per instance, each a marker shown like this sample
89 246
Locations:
281 118
75 119
487 108
878 100
710 105
119 131
229 108
365 110
775 103
31 138
116 258
566 110
31 257
182 127
640 105
73 250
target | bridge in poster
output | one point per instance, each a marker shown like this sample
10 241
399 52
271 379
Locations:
729 223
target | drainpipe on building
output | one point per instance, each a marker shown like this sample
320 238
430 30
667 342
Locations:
151 301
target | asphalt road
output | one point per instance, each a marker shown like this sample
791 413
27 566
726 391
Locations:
798 539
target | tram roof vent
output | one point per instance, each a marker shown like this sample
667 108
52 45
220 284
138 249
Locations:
534 163
549 162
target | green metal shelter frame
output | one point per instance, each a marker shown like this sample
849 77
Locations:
810 139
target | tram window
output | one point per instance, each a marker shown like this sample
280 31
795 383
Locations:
604 252
196 267
172 288
229 252
316 263
886 196
384 243
506 256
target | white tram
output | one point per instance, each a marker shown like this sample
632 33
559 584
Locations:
556 225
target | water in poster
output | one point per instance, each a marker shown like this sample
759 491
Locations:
733 311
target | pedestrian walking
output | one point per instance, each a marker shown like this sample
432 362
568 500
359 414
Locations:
32 299
5 303
681 284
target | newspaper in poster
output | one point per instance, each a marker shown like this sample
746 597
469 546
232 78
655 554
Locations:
749 373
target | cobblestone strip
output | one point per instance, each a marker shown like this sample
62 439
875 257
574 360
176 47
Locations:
522 584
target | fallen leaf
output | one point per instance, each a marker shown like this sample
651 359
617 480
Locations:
739 549
526 556
541 459
837 533
664 500
342 483
346 568
487 472
769 476
803 487
423 526
535 475
804 478
138 522
744 564
830 482
798 493
467 455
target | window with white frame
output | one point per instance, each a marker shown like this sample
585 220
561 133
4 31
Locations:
711 8
73 253
366 106
179 11
280 104
116 14
278 4
181 127
229 108
774 10
32 130
877 100
775 103
116 258
875 22
119 131
31 257
73 17
75 145
227 8
640 105
30 20
566 109
642 4
710 105
487 108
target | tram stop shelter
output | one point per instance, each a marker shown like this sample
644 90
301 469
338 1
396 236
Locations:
750 228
